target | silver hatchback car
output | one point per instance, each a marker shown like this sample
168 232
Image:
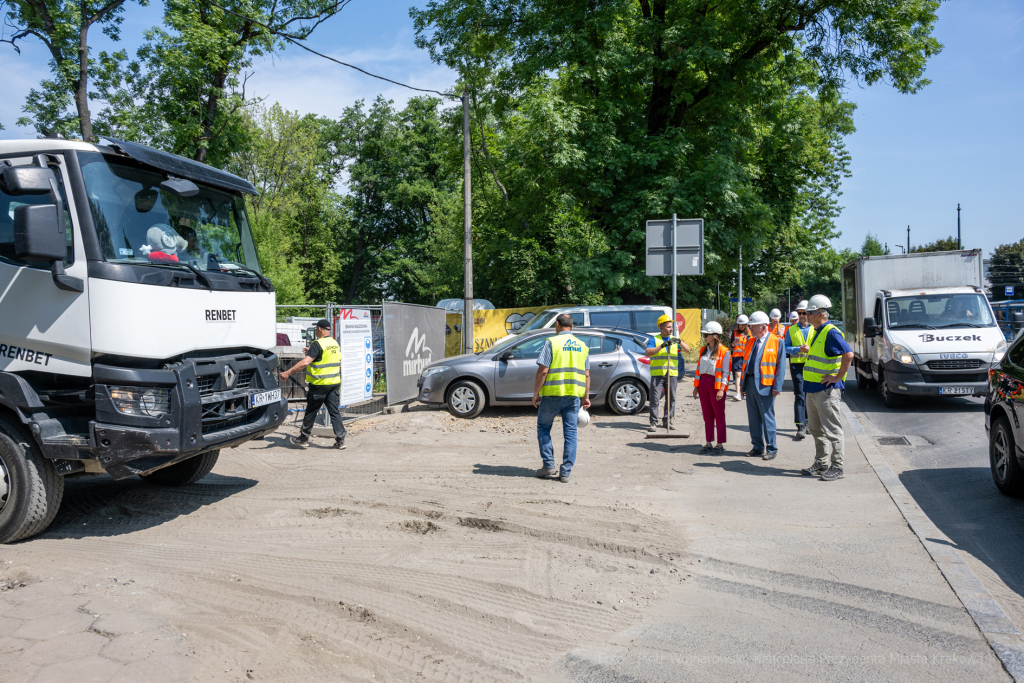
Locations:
503 375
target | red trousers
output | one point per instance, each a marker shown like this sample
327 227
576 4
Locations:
712 408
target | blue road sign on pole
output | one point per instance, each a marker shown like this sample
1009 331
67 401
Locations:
746 300
1009 290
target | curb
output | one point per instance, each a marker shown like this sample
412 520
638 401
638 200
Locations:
999 631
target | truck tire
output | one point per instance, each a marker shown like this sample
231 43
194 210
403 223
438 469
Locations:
466 399
31 489
890 399
1002 455
185 472
864 383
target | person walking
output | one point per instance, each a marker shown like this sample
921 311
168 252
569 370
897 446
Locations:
764 371
828 360
713 366
738 338
561 387
797 335
666 359
323 374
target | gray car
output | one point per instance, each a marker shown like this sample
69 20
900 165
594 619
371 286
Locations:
503 375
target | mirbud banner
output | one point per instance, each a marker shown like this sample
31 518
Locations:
413 339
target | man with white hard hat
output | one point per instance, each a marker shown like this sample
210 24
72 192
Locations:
764 371
828 360
737 343
797 335
775 326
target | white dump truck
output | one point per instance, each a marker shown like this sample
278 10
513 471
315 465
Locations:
135 324
920 324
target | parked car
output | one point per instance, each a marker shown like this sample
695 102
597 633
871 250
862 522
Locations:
1003 408
503 375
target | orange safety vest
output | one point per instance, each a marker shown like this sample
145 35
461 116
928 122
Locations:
739 345
768 358
719 374
777 329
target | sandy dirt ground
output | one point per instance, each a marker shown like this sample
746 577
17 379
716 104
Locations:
425 551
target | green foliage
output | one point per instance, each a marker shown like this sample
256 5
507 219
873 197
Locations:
872 247
943 244
1006 267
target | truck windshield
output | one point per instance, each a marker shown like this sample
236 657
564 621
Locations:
138 222
938 311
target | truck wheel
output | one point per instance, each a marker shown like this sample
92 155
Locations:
1002 455
890 399
864 383
30 490
185 472
466 399
627 397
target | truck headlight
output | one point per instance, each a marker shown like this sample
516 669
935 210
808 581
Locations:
902 354
437 368
1000 351
141 401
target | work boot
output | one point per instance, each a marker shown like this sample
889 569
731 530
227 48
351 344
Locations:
564 480
302 441
545 472
770 455
814 470
754 453
653 427
340 444
832 473
801 432
672 426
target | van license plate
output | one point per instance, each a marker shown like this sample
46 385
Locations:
956 390
262 399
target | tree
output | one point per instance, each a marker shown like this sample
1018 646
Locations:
63 27
872 247
943 244
1006 268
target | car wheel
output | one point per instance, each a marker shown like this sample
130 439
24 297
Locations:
185 472
466 399
627 397
890 399
30 488
1002 455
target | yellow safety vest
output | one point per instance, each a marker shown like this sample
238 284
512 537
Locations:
796 338
818 364
665 360
567 375
327 370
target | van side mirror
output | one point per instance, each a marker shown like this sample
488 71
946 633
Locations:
871 329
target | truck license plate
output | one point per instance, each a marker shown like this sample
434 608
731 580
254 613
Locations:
263 398
956 390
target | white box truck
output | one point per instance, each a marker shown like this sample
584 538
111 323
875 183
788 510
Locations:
920 324
135 324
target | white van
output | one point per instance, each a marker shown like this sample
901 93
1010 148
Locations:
637 318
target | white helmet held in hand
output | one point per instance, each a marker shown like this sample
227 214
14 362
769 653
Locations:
759 318
711 327
583 418
802 306
742 320
818 302
776 314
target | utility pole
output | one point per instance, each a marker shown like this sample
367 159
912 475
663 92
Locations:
908 239
958 243
739 304
467 311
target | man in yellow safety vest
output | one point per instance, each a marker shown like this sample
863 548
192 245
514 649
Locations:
323 374
561 387
666 357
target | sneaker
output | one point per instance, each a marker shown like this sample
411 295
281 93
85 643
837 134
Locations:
340 444
814 470
770 455
708 448
737 398
754 453
672 426
564 480
545 472
718 450
302 441
801 433
652 428
832 473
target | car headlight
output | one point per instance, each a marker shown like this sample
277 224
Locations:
141 401
434 370
902 354
1000 351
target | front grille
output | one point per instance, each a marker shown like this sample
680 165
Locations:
961 364
206 384
955 377
245 378
218 425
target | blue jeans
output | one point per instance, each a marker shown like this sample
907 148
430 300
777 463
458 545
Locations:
760 417
550 406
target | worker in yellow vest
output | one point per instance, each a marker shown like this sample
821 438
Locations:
666 356
561 387
322 363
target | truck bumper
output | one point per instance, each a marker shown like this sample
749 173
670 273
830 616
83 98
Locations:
915 383
207 412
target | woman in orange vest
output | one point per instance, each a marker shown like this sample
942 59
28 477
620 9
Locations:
713 368
738 342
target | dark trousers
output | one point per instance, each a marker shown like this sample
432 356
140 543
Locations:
323 396
796 373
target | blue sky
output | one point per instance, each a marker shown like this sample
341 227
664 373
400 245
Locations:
961 139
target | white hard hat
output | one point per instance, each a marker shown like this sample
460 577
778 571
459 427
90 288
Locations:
583 418
711 327
758 318
742 320
818 302
794 316
802 306
776 314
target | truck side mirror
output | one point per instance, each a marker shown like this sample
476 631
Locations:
26 180
871 329
39 233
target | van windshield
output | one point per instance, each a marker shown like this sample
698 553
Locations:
938 311
538 322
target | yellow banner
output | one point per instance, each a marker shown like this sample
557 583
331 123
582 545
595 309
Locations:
452 334
688 320
490 326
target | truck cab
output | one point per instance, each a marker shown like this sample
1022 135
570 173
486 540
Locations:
137 326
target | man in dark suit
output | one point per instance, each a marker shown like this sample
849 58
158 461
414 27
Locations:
764 371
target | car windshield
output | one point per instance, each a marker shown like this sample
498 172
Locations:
500 346
539 321
137 221
938 311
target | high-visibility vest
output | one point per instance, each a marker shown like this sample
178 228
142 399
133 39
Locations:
327 370
739 344
567 375
719 372
777 329
818 364
796 338
769 356
665 360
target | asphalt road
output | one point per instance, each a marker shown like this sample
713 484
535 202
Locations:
946 469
